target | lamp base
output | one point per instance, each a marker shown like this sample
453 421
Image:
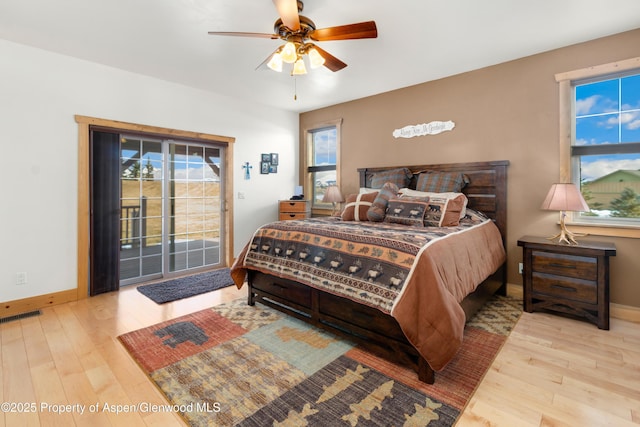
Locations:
565 235
335 212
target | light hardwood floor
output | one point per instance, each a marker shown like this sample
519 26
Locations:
552 371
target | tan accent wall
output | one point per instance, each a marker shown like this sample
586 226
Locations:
509 112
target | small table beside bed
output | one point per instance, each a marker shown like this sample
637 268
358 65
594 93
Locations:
400 270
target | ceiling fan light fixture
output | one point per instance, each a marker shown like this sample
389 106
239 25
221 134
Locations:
299 68
289 54
276 62
315 59
297 33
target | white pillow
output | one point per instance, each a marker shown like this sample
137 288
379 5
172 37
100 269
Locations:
415 193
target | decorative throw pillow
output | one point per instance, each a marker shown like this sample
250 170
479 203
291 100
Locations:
450 195
441 182
400 177
357 205
378 209
406 211
443 211
368 190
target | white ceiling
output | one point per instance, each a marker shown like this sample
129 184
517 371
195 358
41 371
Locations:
418 40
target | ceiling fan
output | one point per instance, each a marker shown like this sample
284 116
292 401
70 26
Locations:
299 33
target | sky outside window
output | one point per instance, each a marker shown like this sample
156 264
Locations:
608 112
324 144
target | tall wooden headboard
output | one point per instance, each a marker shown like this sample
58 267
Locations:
486 190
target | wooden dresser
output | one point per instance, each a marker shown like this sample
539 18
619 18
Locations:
294 209
572 279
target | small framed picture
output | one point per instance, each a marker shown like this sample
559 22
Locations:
274 159
273 168
264 167
266 158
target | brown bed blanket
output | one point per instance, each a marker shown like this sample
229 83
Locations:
418 275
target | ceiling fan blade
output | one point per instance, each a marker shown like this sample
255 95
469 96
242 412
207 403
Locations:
288 11
330 61
239 34
361 30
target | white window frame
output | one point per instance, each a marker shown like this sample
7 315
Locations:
566 125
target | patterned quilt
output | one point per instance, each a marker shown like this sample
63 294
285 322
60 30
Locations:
381 265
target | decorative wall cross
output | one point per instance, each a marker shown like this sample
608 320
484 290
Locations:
247 170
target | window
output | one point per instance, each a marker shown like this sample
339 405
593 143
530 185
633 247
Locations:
602 154
321 164
606 148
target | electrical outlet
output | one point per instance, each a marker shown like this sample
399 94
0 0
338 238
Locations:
520 267
240 195
21 278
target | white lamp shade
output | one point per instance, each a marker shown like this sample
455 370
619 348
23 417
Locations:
315 58
289 54
333 195
299 68
276 62
565 197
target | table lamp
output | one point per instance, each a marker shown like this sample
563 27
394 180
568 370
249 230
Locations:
565 197
334 196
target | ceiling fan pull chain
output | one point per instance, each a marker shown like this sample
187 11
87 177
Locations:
295 89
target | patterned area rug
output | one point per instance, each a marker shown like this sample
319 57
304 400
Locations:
254 366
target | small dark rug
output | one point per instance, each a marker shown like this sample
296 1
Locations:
237 365
185 287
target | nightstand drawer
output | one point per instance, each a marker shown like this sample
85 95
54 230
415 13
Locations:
563 287
294 205
580 267
284 216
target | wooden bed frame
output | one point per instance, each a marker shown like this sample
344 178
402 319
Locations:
379 332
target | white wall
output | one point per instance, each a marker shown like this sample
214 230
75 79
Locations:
40 92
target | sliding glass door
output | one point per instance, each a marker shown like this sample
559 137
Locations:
170 207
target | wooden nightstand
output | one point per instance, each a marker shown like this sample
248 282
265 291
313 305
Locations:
294 209
572 279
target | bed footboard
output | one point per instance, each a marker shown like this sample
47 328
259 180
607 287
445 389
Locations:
366 326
